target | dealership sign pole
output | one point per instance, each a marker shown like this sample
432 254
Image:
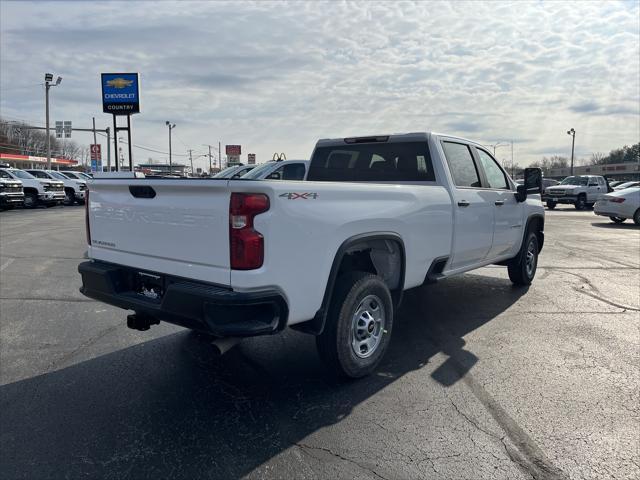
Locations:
121 96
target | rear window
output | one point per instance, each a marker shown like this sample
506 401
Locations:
372 162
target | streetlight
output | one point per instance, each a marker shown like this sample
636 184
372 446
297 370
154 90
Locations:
572 132
48 78
171 127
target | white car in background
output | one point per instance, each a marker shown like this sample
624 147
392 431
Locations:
236 171
620 205
38 191
280 170
76 175
74 190
622 186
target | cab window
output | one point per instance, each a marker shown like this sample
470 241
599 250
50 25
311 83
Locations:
495 176
463 168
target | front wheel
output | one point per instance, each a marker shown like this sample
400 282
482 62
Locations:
30 200
522 269
358 327
636 217
617 219
69 197
581 202
551 204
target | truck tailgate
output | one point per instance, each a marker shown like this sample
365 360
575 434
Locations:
178 227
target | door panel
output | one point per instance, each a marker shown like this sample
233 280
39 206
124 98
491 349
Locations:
473 207
508 218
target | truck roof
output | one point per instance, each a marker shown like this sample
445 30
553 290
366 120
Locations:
388 138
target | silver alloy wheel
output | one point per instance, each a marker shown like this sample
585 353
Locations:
367 326
531 259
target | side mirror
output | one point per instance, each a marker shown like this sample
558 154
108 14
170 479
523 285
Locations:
533 180
521 193
274 176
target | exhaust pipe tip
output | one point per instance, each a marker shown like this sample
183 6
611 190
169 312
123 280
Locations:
223 345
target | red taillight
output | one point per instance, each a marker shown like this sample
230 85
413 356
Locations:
616 199
246 245
86 216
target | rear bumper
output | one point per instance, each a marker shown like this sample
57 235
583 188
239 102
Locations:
199 306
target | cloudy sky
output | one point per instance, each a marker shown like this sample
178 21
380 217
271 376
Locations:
278 76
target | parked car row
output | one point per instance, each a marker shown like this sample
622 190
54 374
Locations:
275 170
32 188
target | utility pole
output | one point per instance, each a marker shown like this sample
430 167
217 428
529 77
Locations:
108 131
572 132
513 167
48 78
210 156
171 127
219 156
191 160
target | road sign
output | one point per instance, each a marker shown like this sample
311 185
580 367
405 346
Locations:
96 157
67 129
233 149
120 93
59 129
251 158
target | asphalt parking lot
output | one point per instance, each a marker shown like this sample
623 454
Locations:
482 380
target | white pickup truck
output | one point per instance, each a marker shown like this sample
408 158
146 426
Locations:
330 256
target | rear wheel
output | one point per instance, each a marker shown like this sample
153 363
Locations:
617 219
581 202
551 204
358 327
523 268
636 217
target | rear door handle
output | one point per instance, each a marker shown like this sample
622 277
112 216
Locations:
499 202
463 203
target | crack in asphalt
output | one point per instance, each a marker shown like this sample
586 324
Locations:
598 295
50 299
525 452
305 447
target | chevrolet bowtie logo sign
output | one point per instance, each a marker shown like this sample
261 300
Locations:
119 83
120 93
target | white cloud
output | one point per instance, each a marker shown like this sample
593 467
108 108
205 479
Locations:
278 76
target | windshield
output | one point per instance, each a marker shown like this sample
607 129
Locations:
574 181
59 175
71 175
624 185
259 170
4 174
22 174
226 171
85 175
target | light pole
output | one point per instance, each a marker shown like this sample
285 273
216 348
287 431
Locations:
48 78
572 132
171 127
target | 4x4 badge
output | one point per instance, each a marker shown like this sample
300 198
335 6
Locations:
295 195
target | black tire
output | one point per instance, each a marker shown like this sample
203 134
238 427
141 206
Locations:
354 291
551 205
636 217
521 272
590 206
581 202
30 200
617 219
69 196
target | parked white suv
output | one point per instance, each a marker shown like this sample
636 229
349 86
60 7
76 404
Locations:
11 192
38 191
582 191
74 190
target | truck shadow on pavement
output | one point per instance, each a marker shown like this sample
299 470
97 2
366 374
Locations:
168 408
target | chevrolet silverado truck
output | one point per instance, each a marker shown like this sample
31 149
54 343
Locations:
74 189
37 191
330 256
581 191
11 192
